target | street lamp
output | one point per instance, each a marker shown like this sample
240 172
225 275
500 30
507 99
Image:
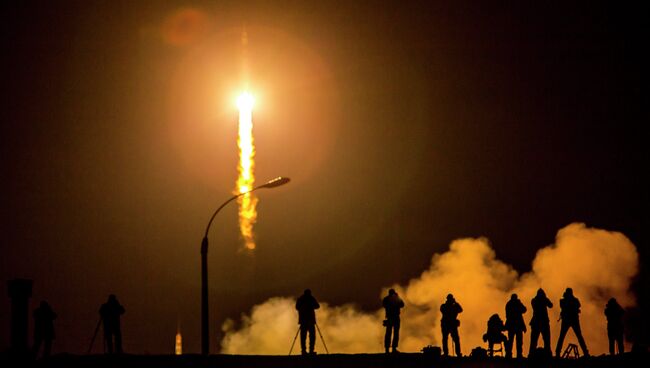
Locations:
205 330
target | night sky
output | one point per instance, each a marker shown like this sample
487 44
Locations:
403 126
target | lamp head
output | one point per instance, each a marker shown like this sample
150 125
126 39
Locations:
275 182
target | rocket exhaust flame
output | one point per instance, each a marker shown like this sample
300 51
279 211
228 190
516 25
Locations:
246 180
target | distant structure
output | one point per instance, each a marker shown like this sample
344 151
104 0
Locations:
20 290
178 348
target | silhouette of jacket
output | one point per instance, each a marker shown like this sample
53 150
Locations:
540 304
44 318
392 304
450 311
615 328
614 313
306 306
570 307
515 310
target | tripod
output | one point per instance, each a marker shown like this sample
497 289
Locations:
92 341
319 334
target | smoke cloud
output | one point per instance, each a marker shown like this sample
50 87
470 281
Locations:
597 264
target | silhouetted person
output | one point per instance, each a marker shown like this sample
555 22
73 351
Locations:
44 318
569 313
392 303
515 325
614 313
306 306
540 323
449 323
494 334
110 313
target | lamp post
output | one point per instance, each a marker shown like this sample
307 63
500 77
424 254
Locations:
205 329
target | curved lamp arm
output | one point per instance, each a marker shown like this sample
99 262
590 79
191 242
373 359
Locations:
269 184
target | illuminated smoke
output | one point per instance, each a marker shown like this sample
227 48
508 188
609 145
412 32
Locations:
246 167
597 264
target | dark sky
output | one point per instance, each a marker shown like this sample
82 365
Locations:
403 126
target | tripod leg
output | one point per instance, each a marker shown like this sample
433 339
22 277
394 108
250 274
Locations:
92 341
294 340
321 339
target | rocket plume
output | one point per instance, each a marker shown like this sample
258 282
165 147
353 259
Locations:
246 179
597 264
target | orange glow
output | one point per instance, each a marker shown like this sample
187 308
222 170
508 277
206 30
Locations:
246 179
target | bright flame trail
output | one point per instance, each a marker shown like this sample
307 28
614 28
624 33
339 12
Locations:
246 179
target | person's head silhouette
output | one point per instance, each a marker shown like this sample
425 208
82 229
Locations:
392 292
450 298
514 297
307 292
568 293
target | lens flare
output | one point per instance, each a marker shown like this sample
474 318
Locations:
246 167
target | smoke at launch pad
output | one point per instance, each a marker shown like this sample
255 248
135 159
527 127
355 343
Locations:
597 264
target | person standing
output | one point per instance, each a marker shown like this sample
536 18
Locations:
540 323
110 313
44 318
515 325
392 303
306 306
569 313
449 324
614 313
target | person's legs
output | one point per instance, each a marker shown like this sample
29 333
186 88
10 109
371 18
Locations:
108 337
581 340
396 325
312 338
445 337
47 348
38 340
560 340
456 338
511 336
534 336
546 336
519 336
619 342
389 329
303 337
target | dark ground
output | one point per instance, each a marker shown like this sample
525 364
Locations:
333 360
